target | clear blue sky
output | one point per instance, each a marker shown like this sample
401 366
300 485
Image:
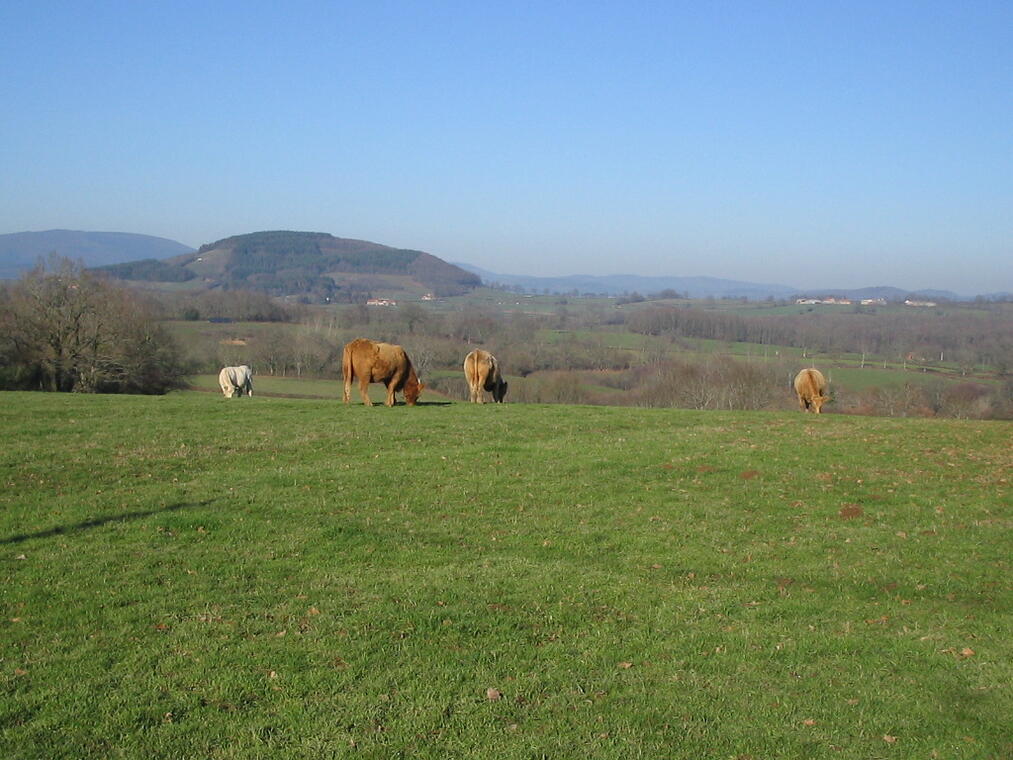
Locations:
830 143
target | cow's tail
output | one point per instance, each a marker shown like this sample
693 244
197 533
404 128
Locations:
471 370
346 373
471 374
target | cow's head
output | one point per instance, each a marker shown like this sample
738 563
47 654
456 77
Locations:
412 390
818 402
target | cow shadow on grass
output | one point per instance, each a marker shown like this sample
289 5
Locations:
98 522
380 404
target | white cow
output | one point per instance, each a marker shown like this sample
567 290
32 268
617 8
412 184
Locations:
236 380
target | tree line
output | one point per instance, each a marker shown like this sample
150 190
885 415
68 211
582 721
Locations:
64 329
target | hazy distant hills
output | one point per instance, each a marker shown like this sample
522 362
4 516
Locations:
694 287
302 263
618 284
331 268
19 251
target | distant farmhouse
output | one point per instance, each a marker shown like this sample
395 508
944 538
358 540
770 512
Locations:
807 301
829 299
380 302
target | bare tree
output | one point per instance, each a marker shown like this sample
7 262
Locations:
66 330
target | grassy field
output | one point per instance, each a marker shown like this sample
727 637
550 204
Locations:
311 387
268 385
509 303
191 577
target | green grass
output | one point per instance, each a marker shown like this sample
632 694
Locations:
269 385
187 576
611 339
860 379
311 387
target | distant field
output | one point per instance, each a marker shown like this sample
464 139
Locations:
842 369
222 331
686 348
857 379
499 300
186 576
610 339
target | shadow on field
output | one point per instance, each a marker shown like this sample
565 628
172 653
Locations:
380 404
96 522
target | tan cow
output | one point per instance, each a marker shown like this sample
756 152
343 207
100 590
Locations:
811 387
374 362
482 373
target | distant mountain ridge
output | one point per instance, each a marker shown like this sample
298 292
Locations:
289 263
695 287
312 264
618 284
19 251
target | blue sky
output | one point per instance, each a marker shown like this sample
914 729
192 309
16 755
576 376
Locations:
810 144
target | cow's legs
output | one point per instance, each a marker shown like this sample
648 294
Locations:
392 384
364 390
397 380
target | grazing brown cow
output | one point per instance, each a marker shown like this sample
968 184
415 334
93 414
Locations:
374 362
482 373
811 387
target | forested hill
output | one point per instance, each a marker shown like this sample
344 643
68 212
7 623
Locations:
313 263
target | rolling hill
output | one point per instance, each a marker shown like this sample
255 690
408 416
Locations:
314 264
